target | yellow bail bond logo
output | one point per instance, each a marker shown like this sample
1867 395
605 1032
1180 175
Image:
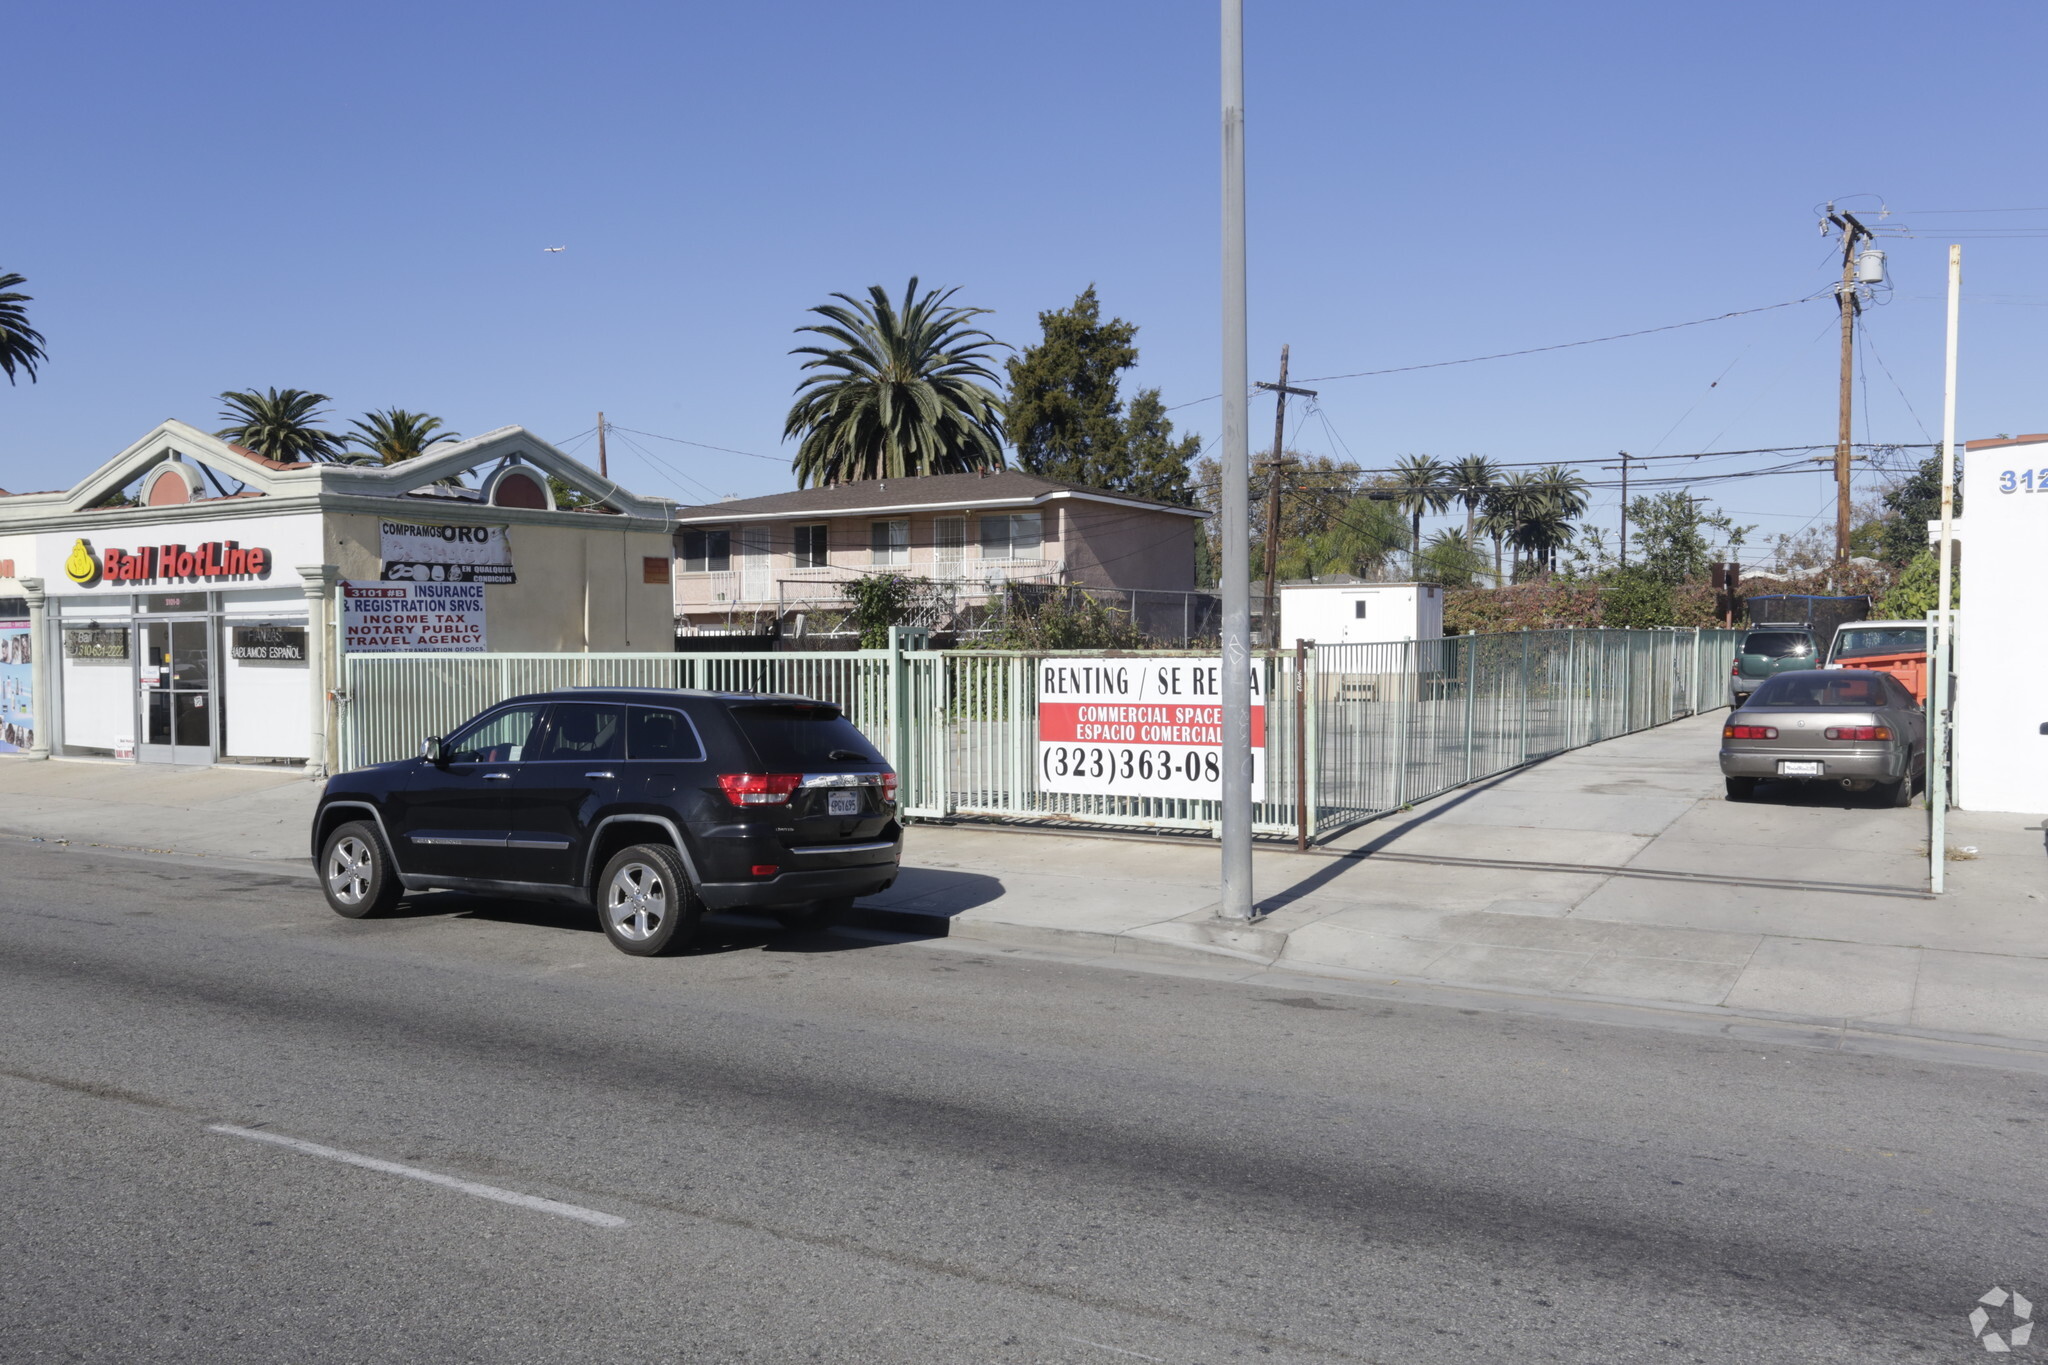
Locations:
83 566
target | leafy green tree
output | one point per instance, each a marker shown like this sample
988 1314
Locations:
1066 414
1914 502
1421 484
898 393
21 346
393 434
1918 589
1471 479
1636 598
280 424
1360 536
1670 529
1314 491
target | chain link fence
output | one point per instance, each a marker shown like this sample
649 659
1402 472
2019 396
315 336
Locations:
1352 731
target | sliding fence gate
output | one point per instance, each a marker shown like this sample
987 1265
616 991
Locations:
1384 725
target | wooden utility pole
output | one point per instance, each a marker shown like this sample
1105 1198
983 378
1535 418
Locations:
1624 508
1853 235
1273 466
603 467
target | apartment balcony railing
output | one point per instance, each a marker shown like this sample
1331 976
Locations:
781 586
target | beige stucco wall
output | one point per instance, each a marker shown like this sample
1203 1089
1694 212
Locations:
1129 547
580 585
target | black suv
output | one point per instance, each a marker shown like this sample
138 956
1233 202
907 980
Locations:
651 805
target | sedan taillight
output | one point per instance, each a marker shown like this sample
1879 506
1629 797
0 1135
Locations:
760 789
1858 732
1748 732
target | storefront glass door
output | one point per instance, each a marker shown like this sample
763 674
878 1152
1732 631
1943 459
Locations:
176 687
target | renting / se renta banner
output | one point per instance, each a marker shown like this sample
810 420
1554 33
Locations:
1140 727
421 618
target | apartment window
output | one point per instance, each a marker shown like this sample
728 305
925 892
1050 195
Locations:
810 547
949 539
890 541
1016 536
707 551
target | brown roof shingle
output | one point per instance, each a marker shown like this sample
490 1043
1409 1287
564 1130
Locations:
926 490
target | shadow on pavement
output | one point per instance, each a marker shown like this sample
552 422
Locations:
718 933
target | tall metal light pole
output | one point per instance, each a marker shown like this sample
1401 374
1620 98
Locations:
1236 500
1944 624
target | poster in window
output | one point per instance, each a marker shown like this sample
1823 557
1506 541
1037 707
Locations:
17 688
413 618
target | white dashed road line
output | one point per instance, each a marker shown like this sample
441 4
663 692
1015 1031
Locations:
371 1163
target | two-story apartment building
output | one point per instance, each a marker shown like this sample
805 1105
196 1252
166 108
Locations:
745 562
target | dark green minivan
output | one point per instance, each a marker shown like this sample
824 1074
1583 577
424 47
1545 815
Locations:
1766 650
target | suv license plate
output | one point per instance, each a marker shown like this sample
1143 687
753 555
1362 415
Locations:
848 803
1789 768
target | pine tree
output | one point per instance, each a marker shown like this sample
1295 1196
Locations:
1067 418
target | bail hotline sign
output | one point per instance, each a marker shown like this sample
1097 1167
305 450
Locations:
417 618
1140 727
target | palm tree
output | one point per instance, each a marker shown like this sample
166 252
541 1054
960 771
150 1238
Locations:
1541 533
21 346
279 424
1506 507
1421 484
395 434
1473 478
1561 495
898 393
1451 560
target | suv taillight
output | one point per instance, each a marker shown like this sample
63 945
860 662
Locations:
1748 732
889 788
1735 669
760 789
1858 732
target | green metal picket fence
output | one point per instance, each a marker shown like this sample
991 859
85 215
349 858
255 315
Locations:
1384 725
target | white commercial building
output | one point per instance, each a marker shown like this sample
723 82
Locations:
187 601
1341 610
2001 701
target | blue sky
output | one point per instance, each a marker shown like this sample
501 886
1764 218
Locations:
355 199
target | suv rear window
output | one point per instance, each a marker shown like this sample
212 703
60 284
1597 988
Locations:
1864 642
794 737
1776 644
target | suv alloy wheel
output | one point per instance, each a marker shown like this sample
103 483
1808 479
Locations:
646 902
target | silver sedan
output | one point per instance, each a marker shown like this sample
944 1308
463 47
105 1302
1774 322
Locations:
1856 727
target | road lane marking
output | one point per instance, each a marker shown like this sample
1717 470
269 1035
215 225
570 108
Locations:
371 1163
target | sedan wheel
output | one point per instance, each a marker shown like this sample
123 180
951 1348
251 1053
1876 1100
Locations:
1740 788
645 901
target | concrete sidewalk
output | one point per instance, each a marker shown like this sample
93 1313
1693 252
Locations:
1615 873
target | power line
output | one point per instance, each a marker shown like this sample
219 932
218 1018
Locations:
684 441
1532 350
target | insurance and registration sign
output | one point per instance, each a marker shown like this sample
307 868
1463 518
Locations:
1139 727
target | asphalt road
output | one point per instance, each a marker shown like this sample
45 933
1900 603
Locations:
820 1148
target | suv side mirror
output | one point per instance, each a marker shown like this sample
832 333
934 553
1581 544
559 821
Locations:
432 752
